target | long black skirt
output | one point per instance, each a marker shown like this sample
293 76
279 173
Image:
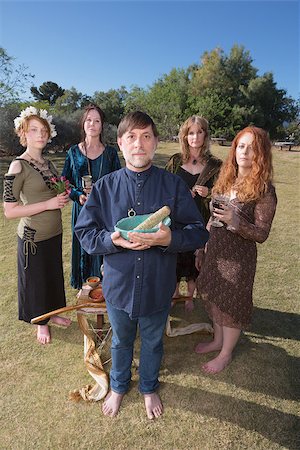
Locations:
186 267
40 279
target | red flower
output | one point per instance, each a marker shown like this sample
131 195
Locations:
60 185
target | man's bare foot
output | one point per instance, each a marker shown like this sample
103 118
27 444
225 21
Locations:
43 334
112 403
217 364
207 347
62 321
189 305
153 404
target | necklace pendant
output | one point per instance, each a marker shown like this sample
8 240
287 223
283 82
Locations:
131 212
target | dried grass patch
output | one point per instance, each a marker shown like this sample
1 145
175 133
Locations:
253 404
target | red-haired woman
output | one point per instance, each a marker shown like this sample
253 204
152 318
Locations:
227 274
28 195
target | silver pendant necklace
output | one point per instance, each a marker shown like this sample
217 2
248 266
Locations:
131 211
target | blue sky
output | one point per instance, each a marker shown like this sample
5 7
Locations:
99 45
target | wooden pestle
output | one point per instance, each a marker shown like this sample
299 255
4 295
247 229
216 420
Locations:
154 219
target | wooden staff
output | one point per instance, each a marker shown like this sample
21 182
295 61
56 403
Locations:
67 309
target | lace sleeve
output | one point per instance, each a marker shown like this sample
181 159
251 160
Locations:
12 187
264 212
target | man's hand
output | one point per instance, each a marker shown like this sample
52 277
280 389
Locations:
161 237
119 241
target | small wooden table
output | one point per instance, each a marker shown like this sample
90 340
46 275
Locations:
83 296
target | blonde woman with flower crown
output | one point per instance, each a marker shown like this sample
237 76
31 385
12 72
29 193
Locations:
29 195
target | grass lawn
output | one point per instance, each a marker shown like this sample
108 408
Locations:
253 404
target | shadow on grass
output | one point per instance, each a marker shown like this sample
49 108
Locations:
276 426
268 322
260 363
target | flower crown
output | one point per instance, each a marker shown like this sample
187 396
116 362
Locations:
32 111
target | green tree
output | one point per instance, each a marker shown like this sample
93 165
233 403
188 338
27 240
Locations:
210 74
112 102
227 90
224 74
269 107
136 100
9 142
70 101
292 131
216 109
68 131
166 101
238 72
14 79
48 91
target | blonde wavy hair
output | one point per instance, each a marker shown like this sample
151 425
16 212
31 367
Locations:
255 184
23 128
183 135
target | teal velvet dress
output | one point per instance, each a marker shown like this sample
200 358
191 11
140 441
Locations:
76 166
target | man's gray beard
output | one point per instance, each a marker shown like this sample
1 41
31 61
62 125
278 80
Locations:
140 165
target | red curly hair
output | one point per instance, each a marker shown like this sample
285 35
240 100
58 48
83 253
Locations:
255 184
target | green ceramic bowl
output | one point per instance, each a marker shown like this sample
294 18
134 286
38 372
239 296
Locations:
129 223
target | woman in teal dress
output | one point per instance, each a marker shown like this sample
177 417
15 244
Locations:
93 159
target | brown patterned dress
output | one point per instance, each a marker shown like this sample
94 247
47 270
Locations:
227 273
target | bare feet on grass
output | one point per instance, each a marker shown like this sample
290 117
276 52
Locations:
217 364
112 403
43 334
62 321
153 404
207 347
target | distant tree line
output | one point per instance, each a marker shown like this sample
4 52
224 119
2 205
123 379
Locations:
226 89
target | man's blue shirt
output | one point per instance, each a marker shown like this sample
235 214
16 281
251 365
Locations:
139 282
